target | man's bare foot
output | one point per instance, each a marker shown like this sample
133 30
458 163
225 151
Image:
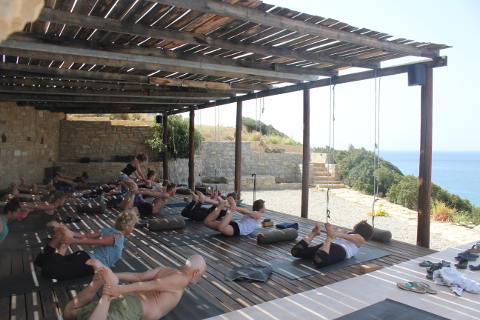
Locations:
108 276
330 230
317 230
221 203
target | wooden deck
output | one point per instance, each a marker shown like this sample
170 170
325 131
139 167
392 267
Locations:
221 254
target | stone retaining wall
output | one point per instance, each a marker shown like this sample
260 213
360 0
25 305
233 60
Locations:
102 140
28 142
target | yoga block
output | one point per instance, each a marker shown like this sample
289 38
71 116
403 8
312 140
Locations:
366 268
266 224
277 236
381 235
170 223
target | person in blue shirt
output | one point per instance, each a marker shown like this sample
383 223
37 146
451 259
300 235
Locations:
10 212
107 247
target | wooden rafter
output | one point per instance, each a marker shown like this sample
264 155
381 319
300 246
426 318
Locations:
264 18
191 38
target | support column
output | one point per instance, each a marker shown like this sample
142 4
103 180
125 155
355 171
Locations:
425 167
165 142
238 150
306 152
191 156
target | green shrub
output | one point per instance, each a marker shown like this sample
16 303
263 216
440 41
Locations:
405 192
178 136
264 129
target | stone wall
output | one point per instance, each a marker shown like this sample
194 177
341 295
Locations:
219 160
28 142
102 140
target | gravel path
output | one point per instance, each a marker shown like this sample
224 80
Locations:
348 207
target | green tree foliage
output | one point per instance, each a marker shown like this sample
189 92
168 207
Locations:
405 192
264 129
178 133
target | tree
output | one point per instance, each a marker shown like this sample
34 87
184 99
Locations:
178 137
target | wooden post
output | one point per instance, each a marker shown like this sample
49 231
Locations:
306 152
238 150
165 142
191 156
425 167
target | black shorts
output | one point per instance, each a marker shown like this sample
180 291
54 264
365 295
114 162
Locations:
236 229
337 254
145 209
56 266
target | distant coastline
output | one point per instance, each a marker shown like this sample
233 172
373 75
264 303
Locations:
456 171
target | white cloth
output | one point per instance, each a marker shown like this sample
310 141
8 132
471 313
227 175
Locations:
247 225
455 280
351 248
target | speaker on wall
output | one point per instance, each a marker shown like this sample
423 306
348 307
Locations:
158 118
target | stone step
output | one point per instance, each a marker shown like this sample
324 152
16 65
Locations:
324 178
330 185
326 181
320 171
318 165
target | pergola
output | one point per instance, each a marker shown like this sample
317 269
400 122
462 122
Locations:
175 56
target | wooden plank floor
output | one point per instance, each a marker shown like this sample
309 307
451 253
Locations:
221 254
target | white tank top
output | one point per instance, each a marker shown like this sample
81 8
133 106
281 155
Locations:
350 248
247 225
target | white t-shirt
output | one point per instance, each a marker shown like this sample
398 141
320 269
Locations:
351 248
247 225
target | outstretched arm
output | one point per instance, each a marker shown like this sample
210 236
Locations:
355 238
100 241
153 193
170 283
245 211
138 276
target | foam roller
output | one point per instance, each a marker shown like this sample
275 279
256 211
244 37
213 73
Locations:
170 223
381 235
277 236
91 208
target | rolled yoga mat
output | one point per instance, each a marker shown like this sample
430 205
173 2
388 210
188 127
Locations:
169 223
277 236
383 236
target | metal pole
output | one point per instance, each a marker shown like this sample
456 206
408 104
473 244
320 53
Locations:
238 150
191 156
165 142
306 152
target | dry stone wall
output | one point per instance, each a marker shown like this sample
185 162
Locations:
102 141
28 142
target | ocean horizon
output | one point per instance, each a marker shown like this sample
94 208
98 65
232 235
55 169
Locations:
458 172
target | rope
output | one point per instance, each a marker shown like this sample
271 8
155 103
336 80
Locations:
331 137
376 147
328 202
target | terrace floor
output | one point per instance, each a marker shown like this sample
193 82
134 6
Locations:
146 249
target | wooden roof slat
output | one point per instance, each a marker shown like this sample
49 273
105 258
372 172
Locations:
250 14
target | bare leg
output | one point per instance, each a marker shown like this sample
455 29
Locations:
330 236
210 220
127 201
83 297
315 232
224 226
101 310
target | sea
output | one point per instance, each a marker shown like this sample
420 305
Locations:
456 172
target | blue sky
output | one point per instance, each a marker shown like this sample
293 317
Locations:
456 107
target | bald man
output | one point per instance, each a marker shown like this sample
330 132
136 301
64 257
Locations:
150 295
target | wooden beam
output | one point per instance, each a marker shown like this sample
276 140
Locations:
306 153
165 143
37 81
425 167
13 69
41 50
190 83
90 99
264 18
238 150
390 71
193 38
191 148
82 92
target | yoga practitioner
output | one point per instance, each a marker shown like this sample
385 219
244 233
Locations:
57 199
134 198
150 182
133 167
150 296
227 226
108 246
10 212
195 211
77 183
339 244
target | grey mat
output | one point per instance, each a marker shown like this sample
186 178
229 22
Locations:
28 282
193 306
297 268
390 310
184 239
